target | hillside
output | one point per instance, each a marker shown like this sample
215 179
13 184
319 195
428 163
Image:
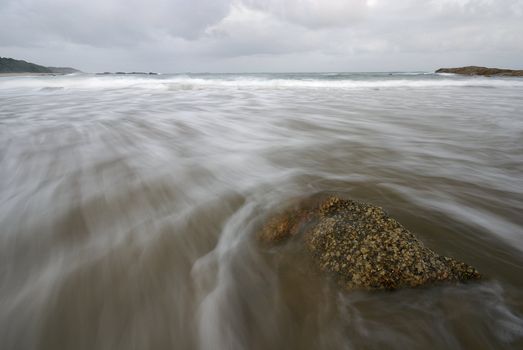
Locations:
10 65
63 70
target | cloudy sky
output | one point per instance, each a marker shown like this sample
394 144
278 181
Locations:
263 35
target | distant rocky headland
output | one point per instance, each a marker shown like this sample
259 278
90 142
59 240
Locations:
484 71
10 65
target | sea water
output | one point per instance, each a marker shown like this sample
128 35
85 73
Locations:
129 206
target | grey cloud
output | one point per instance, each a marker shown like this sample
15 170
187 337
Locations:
106 22
478 8
313 13
245 33
224 35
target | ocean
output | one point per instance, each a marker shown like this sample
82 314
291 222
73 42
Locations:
129 206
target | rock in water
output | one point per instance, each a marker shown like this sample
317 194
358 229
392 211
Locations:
475 70
362 247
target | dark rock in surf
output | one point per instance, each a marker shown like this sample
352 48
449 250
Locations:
362 247
484 71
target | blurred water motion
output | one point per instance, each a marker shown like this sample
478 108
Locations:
128 207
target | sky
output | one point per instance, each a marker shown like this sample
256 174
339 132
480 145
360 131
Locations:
172 36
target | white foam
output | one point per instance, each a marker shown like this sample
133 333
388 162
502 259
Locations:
174 82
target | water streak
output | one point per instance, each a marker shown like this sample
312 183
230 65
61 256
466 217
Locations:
129 205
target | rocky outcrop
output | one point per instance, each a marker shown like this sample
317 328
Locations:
362 247
474 70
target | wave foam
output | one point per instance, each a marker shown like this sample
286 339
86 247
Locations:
89 82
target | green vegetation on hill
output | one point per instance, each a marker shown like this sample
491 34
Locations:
10 65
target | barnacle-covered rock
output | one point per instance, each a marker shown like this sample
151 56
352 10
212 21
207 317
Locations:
362 247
